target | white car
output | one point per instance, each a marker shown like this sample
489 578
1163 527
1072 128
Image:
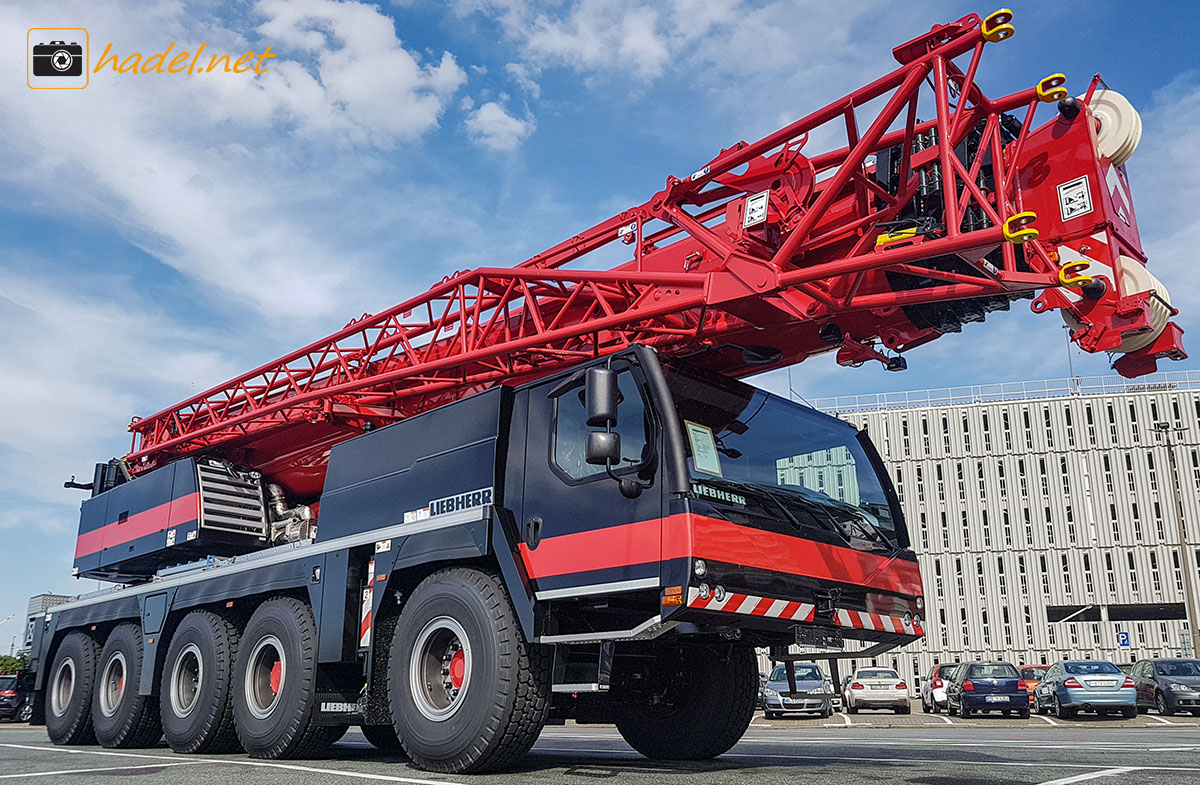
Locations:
876 688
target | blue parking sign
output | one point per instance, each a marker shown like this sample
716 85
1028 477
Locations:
1123 640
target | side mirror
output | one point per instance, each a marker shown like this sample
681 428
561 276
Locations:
603 448
602 397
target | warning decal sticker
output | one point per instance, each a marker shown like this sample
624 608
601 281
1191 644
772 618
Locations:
1074 198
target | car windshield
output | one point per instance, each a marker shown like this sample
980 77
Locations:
803 673
1032 674
1178 668
755 450
944 671
1089 668
880 673
1000 670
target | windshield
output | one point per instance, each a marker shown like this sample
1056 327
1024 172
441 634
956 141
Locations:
803 673
1178 668
1089 668
998 671
752 449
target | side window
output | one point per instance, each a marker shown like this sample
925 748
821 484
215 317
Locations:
570 430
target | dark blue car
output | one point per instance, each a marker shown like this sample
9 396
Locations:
985 687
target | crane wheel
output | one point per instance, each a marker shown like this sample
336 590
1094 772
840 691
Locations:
196 690
691 703
382 737
69 692
467 692
120 716
1120 126
274 683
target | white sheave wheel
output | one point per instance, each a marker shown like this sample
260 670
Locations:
1120 126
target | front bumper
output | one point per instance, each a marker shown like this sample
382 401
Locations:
1183 701
803 703
1126 696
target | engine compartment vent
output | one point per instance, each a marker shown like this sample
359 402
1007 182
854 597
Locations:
231 500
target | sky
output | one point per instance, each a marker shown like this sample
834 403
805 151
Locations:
160 234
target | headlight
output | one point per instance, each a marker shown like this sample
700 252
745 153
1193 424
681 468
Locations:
816 691
770 693
1179 687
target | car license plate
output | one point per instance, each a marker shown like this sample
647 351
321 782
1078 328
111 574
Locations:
1101 683
997 699
879 686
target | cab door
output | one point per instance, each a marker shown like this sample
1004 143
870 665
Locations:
580 534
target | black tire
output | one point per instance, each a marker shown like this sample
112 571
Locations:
201 658
935 708
497 710
1160 703
25 713
963 711
1129 712
906 709
1146 710
1023 713
827 712
274 684
1006 713
693 703
120 716
382 737
852 708
770 715
69 691
1063 712
924 706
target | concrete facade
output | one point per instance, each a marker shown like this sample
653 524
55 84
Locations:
1043 515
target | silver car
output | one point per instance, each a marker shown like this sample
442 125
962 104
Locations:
814 692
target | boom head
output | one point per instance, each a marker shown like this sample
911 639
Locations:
768 254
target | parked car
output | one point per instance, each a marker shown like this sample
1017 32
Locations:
1072 686
813 693
16 697
1168 685
933 690
1031 675
876 688
985 687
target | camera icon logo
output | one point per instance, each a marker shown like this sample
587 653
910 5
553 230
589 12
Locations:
57 58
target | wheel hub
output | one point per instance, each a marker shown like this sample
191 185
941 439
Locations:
440 668
265 677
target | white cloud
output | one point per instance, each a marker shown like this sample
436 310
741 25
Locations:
524 75
492 127
229 179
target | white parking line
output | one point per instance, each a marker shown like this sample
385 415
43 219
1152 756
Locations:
1044 718
938 761
1095 775
91 771
233 762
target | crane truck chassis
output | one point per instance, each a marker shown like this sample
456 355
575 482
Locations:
542 492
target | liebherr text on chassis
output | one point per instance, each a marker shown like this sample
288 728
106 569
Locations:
541 491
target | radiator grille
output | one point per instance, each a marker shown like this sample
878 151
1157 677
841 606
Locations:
229 501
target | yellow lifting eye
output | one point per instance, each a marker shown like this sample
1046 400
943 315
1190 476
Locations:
1067 274
996 26
1051 88
1017 228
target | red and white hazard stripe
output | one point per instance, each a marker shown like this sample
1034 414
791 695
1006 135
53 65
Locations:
368 597
877 621
751 605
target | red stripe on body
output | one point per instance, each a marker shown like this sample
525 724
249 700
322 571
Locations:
696 536
789 609
185 509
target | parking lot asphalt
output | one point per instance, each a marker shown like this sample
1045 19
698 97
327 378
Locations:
870 747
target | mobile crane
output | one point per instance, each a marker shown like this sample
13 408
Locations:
542 491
